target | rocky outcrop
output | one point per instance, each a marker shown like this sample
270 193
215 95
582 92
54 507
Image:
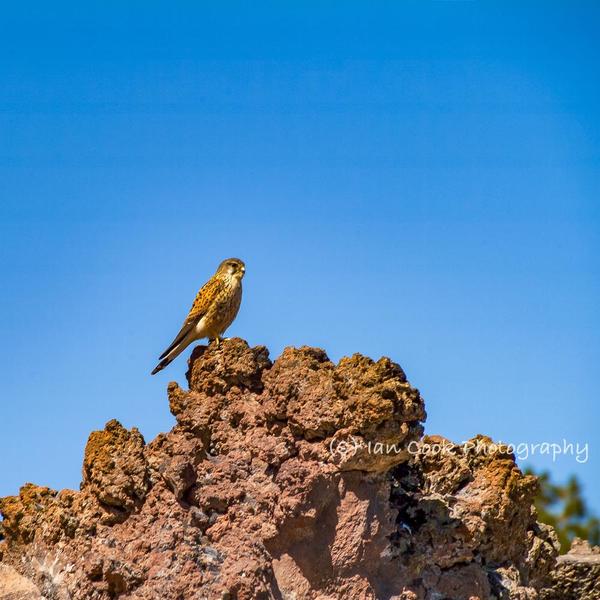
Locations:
577 574
298 479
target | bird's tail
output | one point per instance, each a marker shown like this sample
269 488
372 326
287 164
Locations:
172 353
161 365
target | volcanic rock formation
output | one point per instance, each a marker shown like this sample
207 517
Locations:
298 479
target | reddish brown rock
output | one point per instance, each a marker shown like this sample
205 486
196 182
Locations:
115 470
466 526
284 480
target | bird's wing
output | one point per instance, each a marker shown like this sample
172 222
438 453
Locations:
205 297
208 292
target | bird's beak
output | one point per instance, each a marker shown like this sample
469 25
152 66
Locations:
243 270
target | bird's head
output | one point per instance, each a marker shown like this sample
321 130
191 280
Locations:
232 267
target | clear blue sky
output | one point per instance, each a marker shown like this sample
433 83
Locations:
413 179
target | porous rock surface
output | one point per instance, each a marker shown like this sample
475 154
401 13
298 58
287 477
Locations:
298 479
577 574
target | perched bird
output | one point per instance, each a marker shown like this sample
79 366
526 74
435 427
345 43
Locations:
212 312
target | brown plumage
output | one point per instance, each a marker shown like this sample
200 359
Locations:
212 312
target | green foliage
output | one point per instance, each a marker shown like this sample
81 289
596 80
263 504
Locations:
563 507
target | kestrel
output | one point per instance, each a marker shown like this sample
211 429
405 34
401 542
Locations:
212 312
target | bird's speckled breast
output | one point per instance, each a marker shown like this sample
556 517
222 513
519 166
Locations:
224 309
